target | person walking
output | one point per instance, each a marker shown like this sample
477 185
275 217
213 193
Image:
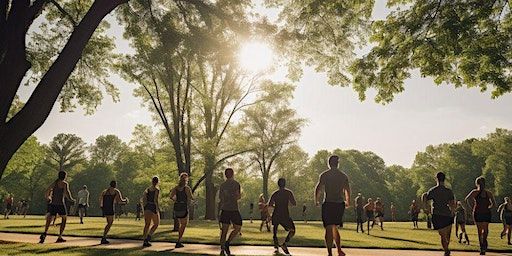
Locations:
359 207
56 193
460 221
336 189
83 202
151 210
482 201
229 194
505 211
414 211
24 208
442 210
182 197
109 197
392 208
280 200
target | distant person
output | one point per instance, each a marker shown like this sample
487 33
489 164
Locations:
336 188
229 194
264 213
108 198
359 208
182 196
280 200
379 213
392 208
55 194
251 210
442 210
428 215
305 213
9 201
505 211
151 210
482 201
460 221
368 209
83 202
18 208
24 208
138 210
414 211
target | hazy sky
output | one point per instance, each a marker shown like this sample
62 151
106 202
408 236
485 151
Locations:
422 115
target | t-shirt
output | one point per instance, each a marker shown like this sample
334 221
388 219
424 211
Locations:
281 199
228 192
333 180
83 197
441 196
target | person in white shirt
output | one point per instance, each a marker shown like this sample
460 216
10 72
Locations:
83 202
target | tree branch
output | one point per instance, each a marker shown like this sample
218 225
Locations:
64 12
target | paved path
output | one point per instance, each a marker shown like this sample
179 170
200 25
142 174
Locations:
213 249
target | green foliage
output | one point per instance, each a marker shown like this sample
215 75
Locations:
97 177
65 151
107 149
464 43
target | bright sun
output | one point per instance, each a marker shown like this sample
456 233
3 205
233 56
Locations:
255 56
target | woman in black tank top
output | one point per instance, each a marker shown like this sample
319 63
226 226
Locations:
151 210
181 195
108 198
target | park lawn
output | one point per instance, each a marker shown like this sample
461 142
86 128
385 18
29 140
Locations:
397 235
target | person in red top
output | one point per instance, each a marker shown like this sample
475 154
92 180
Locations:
9 200
482 201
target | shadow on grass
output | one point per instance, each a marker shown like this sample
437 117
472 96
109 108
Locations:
404 240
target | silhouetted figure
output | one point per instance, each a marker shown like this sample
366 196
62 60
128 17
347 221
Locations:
182 196
138 210
229 194
280 200
392 208
9 201
460 221
414 211
24 208
442 210
83 202
481 200
264 213
379 213
109 197
505 211
368 209
151 210
336 189
251 211
305 213
359 208
56 193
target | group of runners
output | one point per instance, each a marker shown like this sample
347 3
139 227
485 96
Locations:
21 207
333 186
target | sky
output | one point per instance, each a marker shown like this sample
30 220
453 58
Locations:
424 114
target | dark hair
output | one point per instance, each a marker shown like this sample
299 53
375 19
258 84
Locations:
281 182
183 179
440 176
113 184
334 161
62 175
229 173
155 180
480 182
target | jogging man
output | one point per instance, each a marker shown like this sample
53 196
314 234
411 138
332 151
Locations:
359 204
83 203
379 213
108 198
442 210
9 201
280 200
336 189
229 194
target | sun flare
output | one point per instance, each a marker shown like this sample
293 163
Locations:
255 56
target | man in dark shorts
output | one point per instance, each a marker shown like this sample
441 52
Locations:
359 204
9 201
229 194
336 189
83 202
280 200
443 207
379 213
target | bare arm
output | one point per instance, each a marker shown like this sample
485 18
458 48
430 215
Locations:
68 192
119 196
493 201
293 202
173 194
157 194
318 189
87 199
271 202
101 198
500 208
347 194
424 199
470 198
48 192
144 198
190 196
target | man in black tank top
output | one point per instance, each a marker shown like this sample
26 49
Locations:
55 194
280 200
108 198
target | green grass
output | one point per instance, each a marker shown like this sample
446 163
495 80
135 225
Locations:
398 235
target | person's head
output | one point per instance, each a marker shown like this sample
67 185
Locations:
480 183
84 187
229 173
62 175
281 182
334 161
113 184
183 179
459 203
392 203
413 201
155 180
440 177
370 200
359 194
262 197
378 199
507 199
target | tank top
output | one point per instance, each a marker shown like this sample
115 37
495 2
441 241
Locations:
506 211
482 203
57 195
108 200
150 197
181 196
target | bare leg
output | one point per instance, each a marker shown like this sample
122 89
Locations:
329 238
62 225
223 233
444 233
337 240
110 220
509 229
234 233
274 237
147 223
49 219
183 225
156 222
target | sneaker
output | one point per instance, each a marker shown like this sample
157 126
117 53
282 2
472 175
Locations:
146 243
104 241
226 248
179 245
460 238
447 253
60 240
285 249
502 234
42 238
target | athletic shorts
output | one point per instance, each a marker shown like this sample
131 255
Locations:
107 211
9 207
482 217
460 220
151 208
359 215
507 219
231 217
180 210
263 216
82 206
379 214
369 215
59 209
287 223
414 217
332 213
440 221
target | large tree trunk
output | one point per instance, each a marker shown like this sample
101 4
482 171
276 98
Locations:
39 105
265 184
211 192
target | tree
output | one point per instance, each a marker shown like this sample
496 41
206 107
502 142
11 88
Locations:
17 59
107 149
402 189
65 151
464 43
270 127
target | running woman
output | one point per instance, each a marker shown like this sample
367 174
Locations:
229 194
460 220
280 200
182 196
392 208
505 211
442 210
108 199
9 201
414 211
379 213
55 194
482 201
359 204
264 213
151 210
368 209
336 188
83 202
